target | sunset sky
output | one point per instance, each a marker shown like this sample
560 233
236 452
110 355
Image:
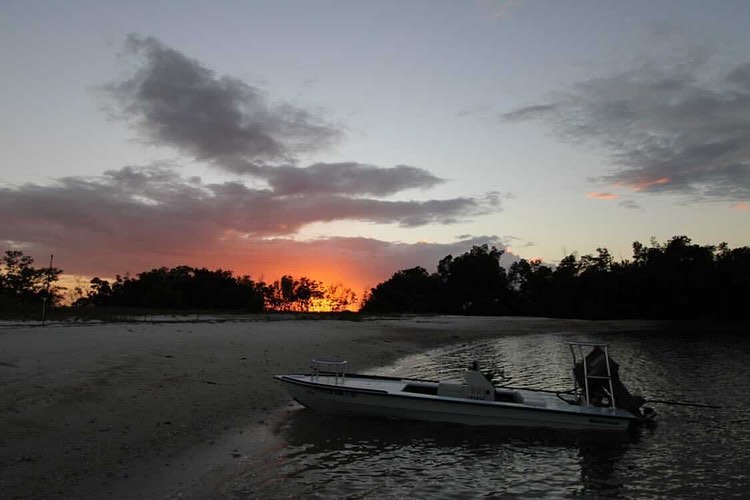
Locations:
344 140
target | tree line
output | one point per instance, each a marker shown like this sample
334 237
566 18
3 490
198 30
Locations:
672 280
178 288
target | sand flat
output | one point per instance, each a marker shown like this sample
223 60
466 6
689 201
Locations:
136 408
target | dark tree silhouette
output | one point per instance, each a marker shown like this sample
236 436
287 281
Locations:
289 294
185 287
677 279
22 283
530 283
181 287
307 295
339 298
410 290
474 282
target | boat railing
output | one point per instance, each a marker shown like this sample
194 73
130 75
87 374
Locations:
578 348
332 367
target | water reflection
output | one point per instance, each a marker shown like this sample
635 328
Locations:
690 453
329 455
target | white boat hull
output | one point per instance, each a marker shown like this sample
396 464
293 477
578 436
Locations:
381 397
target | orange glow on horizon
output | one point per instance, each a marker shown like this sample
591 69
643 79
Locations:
742 207
345 265
70 282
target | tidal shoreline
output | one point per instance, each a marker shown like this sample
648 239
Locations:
157 409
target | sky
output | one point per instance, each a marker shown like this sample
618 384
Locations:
345 140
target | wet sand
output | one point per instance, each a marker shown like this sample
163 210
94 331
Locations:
174 408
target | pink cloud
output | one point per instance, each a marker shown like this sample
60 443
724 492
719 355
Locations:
602 196
646 184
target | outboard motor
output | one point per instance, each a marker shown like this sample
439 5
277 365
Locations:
599 383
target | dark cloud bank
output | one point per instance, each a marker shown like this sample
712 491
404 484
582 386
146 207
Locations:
666 129
157 206
153 214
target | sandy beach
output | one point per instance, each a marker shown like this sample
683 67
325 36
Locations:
169 408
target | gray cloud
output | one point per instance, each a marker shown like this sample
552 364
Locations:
149 209
666 129
529 112
174 100
629 204
348 178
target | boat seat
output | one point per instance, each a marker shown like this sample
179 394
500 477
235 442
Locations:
451 389
506 396
430 389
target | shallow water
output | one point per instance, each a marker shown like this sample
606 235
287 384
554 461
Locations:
690 452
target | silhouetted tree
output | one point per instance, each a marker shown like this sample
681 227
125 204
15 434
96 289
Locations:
22 283
474 282
339 298
410 290
677 279
531 290
290 294
732 281
181 287
307 295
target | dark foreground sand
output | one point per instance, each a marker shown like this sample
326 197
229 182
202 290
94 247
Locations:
173 409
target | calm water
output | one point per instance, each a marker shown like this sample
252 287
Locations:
690 452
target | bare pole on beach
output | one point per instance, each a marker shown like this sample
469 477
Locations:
46 295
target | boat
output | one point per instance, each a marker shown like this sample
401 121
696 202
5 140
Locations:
597 401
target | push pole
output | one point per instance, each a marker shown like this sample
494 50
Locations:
46 297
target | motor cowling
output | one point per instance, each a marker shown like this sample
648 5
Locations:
596 366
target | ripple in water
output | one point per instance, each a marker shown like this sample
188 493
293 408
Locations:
689 453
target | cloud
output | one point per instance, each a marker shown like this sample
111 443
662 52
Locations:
625 203
156 211
174 100
471 110
159 201
516 242
667 128
742 207
602 196
348 178
136 218
371 260
538 111
629 204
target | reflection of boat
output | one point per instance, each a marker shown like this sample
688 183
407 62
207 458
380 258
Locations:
598 399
